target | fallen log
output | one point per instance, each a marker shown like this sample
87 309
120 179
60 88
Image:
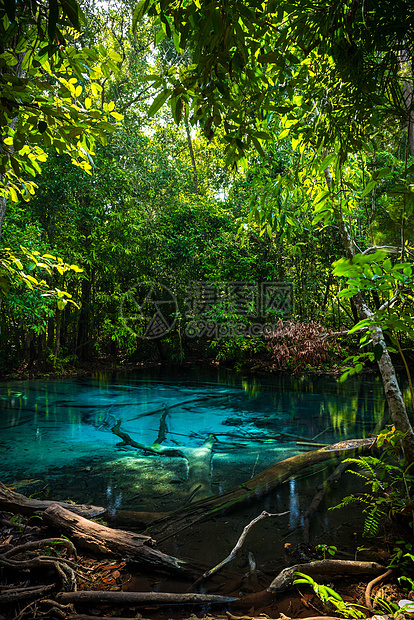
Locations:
11 501
256 487
323 568
103 597
109 542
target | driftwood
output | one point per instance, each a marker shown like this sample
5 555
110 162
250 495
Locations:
12 501
102 597
109 542
321 569
314 505
256 487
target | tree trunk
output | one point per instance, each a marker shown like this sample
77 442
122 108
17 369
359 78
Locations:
393 393
57 338
3 205
83 338
193 161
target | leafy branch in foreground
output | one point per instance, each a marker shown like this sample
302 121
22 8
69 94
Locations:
51 93
22 269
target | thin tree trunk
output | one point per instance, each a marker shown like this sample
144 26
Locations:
57 340
392 390
193 161
3 205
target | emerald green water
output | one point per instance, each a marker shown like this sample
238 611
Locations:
56 439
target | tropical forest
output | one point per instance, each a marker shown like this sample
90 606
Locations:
206 309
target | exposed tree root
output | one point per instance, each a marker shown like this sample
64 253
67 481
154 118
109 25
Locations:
12 595
322 568
372 584
62 566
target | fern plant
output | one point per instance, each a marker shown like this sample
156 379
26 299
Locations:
389 480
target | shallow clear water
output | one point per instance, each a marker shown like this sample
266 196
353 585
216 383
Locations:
56 438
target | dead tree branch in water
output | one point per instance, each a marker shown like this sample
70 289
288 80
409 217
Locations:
198 459
239 544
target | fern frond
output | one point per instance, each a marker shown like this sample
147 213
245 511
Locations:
346 501
372 521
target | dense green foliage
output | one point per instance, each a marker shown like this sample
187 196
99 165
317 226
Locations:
278 129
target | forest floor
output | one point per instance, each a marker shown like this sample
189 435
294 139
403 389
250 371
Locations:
99 574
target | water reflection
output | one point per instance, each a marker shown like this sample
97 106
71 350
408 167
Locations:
60 431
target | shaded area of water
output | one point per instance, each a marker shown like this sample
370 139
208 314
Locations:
56 437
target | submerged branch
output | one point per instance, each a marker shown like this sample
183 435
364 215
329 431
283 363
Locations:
155 448
314 505
239 544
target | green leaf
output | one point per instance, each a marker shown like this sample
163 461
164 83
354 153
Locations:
270 57
381 173
378 351
159 101
74 13
258 146
368 188
139 12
